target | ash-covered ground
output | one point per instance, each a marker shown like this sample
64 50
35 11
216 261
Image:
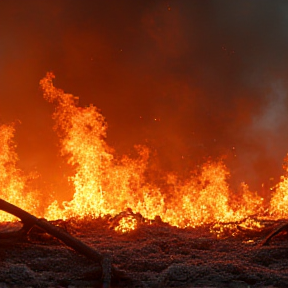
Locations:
156 255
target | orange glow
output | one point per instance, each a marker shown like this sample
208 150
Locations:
106 184
12 180
126 224
279 201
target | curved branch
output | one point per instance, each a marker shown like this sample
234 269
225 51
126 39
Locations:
30 220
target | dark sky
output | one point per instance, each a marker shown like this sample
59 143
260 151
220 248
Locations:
214 73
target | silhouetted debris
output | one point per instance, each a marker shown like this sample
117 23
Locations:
153 255
280 228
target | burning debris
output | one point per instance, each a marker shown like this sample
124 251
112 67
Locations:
126 221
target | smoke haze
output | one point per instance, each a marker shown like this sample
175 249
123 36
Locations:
192 79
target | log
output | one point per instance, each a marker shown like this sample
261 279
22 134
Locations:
30 220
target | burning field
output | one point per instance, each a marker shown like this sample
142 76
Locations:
166 166
105 183
157 229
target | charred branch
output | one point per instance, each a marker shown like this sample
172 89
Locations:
108 270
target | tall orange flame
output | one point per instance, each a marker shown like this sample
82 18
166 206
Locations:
104 185
108 185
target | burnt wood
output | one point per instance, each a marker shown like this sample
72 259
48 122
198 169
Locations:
108 270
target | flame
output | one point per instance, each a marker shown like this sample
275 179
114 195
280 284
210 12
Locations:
126 224
12 180
106 184
279 201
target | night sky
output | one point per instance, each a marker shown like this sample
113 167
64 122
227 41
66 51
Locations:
212 73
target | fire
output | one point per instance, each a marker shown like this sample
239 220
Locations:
126 224
279 201
12 180
106 184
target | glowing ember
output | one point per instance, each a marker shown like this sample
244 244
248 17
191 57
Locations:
106 184
126 224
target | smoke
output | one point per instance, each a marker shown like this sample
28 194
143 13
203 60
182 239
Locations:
192 79
265 140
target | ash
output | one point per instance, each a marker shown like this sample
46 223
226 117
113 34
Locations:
156 255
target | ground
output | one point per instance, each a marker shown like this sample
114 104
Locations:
155 255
